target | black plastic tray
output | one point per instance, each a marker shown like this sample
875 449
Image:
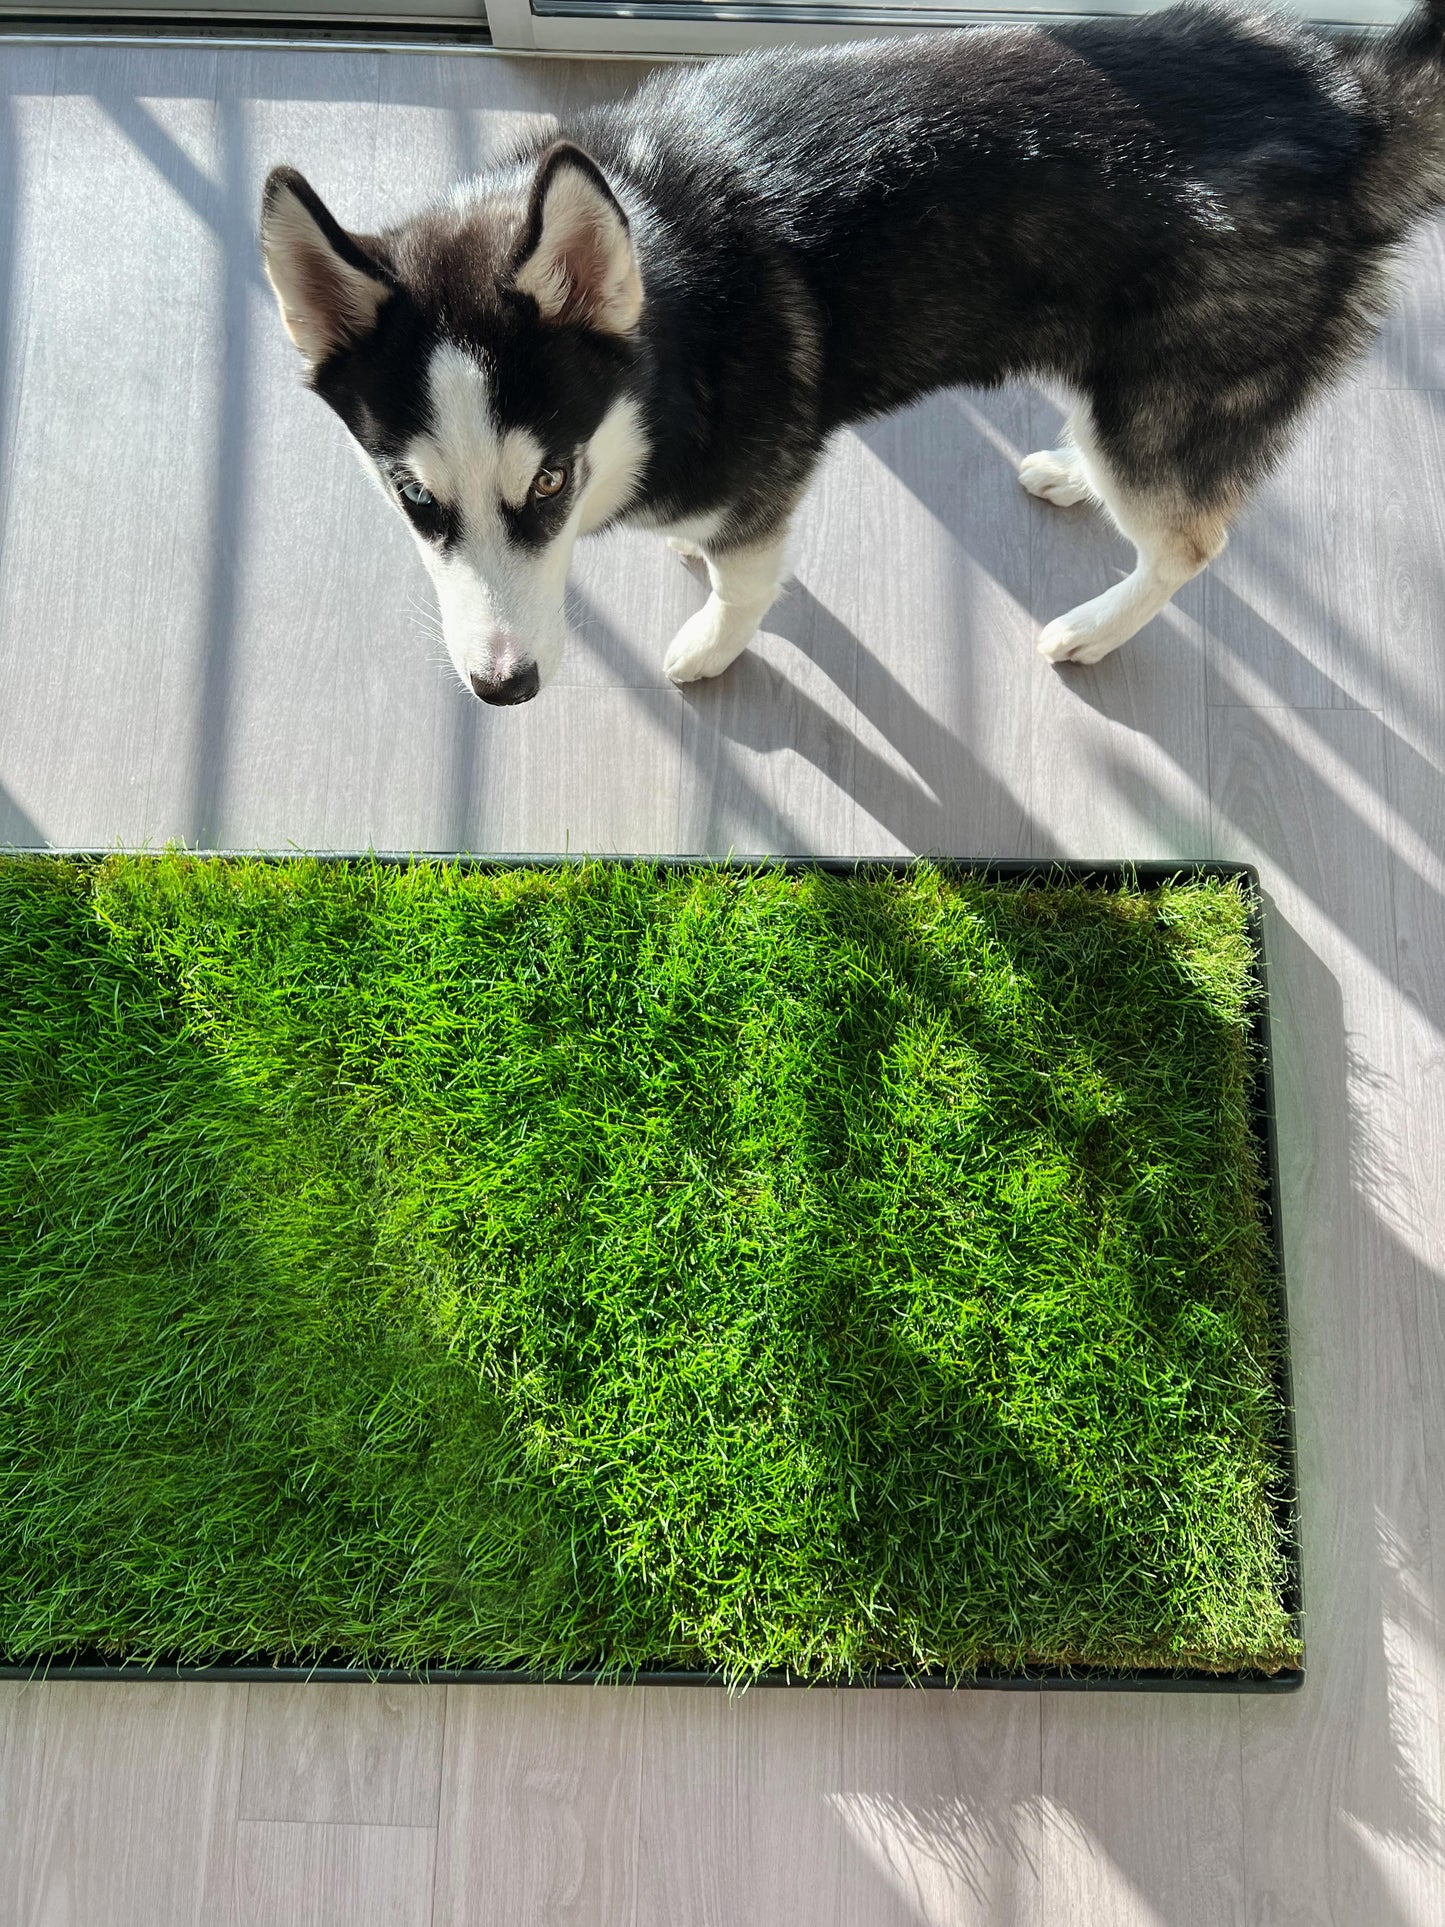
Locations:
1102 875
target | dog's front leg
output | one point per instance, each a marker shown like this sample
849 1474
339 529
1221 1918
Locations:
744 584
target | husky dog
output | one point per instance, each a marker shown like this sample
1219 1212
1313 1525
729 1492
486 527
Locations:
660 317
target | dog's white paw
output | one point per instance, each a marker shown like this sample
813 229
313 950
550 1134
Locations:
1074 638
705 644
689 551
1054 475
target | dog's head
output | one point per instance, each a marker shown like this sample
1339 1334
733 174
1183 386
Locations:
483 355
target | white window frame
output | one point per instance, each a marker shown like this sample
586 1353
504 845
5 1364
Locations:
725 29
179 19
729 26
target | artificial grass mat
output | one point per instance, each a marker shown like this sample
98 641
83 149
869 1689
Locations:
620 1266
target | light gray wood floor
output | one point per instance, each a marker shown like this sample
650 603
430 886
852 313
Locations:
211 629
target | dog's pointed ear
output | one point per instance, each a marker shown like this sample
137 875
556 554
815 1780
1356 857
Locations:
575 257
329 289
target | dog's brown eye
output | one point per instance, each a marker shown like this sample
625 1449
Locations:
549 481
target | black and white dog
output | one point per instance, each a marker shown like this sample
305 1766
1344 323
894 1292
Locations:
1185 220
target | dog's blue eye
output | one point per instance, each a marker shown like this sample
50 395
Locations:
414 492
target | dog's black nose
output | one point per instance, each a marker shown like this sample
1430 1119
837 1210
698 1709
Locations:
518 687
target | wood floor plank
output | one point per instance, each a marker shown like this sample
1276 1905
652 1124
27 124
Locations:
738 1823
539 1806
939 1803
557 795
20 1760
292 1875
1411 350
1407 512
297 690
1408 1189
446 119
945 637
628 596
26 106
78 716
355 1755
1409 444
128 1805
1342 1781
1143 1815
1292 603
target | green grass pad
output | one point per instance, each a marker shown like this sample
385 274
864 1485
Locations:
619 1266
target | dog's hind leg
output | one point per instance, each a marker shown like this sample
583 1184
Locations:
1172 548
1175 536
744 582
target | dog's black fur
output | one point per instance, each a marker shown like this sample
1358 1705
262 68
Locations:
1186 219
1183 217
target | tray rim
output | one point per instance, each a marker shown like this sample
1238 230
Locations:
1104 873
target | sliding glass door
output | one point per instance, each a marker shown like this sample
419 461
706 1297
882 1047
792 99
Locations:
714 26
642 26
